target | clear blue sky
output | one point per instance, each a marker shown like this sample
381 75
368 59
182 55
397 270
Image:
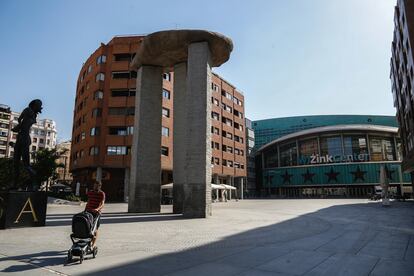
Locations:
290 57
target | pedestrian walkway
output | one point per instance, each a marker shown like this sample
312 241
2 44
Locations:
249 237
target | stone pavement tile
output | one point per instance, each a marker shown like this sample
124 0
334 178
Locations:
349 242
393 268
387 246
257 272
296 262
255 256
409 253
313 242
208 254
208 269
345 264
156 265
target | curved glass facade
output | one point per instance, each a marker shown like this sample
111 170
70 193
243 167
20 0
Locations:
342 161
330 148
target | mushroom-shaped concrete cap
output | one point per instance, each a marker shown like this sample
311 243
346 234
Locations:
167 48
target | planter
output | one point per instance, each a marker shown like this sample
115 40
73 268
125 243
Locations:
22 209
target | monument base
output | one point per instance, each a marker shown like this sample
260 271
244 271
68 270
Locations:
22 209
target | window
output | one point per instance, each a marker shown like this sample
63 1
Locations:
215 130
215 161
331 146
165 112
214 87
94 151
356 148
124 75
226 94
215 101
121 130
98 95
95 131
165 131
100 77
48 133
83 135
117 150
121 111
165 94
166 76
227 149
90 68
164 151
35 140
238 139
123 57
215 116
382 149
227 121
288 155
81 153
97 112
215 145
33 148
123 93
307 148
101 59
41 141
227 134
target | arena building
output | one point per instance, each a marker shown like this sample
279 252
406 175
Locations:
328 156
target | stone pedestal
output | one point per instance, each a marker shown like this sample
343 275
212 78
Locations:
22 209
180 134
145 178
197 189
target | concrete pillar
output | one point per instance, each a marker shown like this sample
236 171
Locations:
99 174
197 189
145 179
180 136
126 184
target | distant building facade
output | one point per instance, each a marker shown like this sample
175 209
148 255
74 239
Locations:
328 156
43 134
64 174
251 171
5 114
402 79
104 118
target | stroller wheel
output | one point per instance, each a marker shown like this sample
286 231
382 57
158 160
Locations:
95 251
70 256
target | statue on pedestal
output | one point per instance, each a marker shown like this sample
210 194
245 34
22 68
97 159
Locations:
23 141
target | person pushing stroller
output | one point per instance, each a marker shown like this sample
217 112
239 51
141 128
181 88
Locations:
94 206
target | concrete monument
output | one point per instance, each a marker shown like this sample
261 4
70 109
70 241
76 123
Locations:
192 54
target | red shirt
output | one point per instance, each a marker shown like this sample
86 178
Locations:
94 200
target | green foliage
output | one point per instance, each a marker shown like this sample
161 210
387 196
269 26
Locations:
45 164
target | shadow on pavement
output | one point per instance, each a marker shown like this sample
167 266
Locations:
34 261
357 239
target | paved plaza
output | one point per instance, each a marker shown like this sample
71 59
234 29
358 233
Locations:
250 237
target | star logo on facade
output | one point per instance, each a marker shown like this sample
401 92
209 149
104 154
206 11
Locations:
358 174
286 177
308 176
332 175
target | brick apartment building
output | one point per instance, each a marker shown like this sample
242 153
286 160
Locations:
103 122
402 79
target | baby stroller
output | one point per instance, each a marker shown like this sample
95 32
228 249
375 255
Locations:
84 226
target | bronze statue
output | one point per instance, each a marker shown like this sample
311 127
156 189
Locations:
23 140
